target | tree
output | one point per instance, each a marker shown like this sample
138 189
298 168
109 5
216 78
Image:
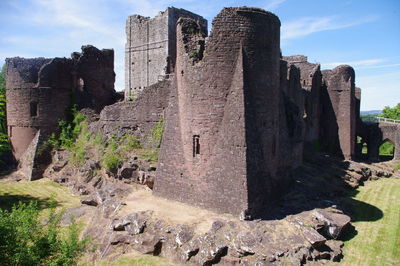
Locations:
392 113
4 143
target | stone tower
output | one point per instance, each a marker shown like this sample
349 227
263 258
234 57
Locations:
38 91
338 117
220 148
150 49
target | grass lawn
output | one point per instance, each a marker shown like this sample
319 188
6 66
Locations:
130 259
377 221
40 190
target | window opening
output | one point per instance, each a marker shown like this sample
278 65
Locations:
196 145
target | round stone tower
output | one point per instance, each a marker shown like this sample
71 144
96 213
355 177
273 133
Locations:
223 126
37 93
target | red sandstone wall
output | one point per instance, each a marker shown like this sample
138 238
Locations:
230 99
25 87
341 102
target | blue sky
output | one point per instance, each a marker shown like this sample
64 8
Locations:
362 33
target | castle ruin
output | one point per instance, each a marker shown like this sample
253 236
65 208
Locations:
150 49
39 92
238 116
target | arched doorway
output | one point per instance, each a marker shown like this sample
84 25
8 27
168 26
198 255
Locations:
386 150
361 148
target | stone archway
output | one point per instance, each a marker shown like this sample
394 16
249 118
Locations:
386 150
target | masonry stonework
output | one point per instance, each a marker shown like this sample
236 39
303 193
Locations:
40 90
150 50
221 143
311 82
338 118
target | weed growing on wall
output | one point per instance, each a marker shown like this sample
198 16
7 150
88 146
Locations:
157 133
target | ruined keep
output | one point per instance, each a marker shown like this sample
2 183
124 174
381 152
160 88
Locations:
40 90
150 50
220 148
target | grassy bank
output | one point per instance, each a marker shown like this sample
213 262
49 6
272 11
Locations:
41 190
377 222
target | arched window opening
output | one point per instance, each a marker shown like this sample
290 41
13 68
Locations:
362 148
386 150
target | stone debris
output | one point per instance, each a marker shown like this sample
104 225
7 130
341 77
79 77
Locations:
335 223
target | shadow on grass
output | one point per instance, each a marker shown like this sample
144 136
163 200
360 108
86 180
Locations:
8 200
320 183
360 211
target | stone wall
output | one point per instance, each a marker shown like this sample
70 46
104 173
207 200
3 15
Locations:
94 78
137 117
221 143
338 118
151 48
39 91
311 82
292 126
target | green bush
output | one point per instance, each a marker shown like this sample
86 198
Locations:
157 133
131 142
392 113
151 155
27 240
111 161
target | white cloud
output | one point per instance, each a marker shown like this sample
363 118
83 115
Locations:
360 63
307 25
273 4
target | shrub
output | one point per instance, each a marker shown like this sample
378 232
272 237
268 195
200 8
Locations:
111 161
131 142
157 133
151 155
26 240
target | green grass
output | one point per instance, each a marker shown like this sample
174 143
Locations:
134 260
377 241
40 190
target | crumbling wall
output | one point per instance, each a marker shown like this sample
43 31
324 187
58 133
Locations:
151 48
220 148
338 118
94 78
311 82
138 117
38 93
291 132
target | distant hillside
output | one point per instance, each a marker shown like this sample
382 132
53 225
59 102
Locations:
369 116
371 112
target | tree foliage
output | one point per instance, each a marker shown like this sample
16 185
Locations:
25 239
392 113
4 143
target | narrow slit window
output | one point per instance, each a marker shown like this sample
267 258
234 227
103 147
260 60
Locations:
34 109
196 145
